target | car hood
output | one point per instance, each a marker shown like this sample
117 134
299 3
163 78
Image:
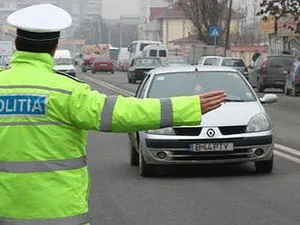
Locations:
64 67
232 114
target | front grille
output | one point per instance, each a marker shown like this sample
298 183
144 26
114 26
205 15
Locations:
233 130
191 131
186 155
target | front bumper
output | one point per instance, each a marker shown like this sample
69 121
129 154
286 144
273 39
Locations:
178 150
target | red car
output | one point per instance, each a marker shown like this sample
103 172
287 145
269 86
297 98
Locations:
87 63
103 65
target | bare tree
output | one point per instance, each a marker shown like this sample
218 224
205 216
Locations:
279 8
204 14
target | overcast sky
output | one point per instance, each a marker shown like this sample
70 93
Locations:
115 8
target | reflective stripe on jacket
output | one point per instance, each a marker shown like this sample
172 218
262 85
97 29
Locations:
44 119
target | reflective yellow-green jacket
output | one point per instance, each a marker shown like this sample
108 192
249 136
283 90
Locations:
44 119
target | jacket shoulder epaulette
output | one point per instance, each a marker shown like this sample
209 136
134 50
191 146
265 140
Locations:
69 76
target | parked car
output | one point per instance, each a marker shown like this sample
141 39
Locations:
270 71
87 62
103 65
237 132
236 63
140 66
292 84
209 60
176 61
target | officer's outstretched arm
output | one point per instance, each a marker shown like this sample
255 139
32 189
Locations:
91 110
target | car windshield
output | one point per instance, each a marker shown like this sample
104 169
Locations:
63 61
233 63
195 83
210 61
148 62
177 61
281 61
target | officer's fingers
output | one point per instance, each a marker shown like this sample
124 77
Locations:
205 100
206 107
211 94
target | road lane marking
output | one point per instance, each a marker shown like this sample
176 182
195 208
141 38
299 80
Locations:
279 149
287 149
286 156
109 86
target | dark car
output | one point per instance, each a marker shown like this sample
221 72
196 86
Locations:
292 84
270 71
140 66
103 65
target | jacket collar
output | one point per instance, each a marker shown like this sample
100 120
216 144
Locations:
30 59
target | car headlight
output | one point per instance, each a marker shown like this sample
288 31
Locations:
164 131
258 123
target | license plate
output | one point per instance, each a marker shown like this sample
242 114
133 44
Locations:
211 147
103 64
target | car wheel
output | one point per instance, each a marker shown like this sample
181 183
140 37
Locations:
286 90
112 72
129 80
133 81
134 155
264 166
294 93
93 71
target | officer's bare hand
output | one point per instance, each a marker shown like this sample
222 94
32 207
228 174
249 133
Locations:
212 100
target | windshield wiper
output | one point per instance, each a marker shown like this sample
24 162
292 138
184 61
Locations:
235 100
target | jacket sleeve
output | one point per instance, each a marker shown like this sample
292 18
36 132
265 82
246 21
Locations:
91 110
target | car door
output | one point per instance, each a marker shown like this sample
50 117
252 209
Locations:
139 94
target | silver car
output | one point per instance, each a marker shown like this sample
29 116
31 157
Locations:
233 62
239 131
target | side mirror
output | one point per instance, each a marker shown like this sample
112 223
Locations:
269 98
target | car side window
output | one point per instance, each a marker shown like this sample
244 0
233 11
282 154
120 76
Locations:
142 87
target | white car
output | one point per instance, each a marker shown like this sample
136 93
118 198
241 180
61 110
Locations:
239 131
209 60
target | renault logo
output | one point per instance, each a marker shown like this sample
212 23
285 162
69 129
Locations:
210 133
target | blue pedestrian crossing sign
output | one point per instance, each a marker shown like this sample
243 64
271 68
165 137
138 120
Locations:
214 31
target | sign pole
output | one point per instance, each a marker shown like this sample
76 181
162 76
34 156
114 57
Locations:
215 44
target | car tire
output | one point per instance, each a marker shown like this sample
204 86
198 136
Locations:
93 71
264 167
294 92
112 72
133 81
286 90
133 154
146 170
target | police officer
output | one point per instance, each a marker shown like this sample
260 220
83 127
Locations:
44 119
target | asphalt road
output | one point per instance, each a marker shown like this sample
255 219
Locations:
194 195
